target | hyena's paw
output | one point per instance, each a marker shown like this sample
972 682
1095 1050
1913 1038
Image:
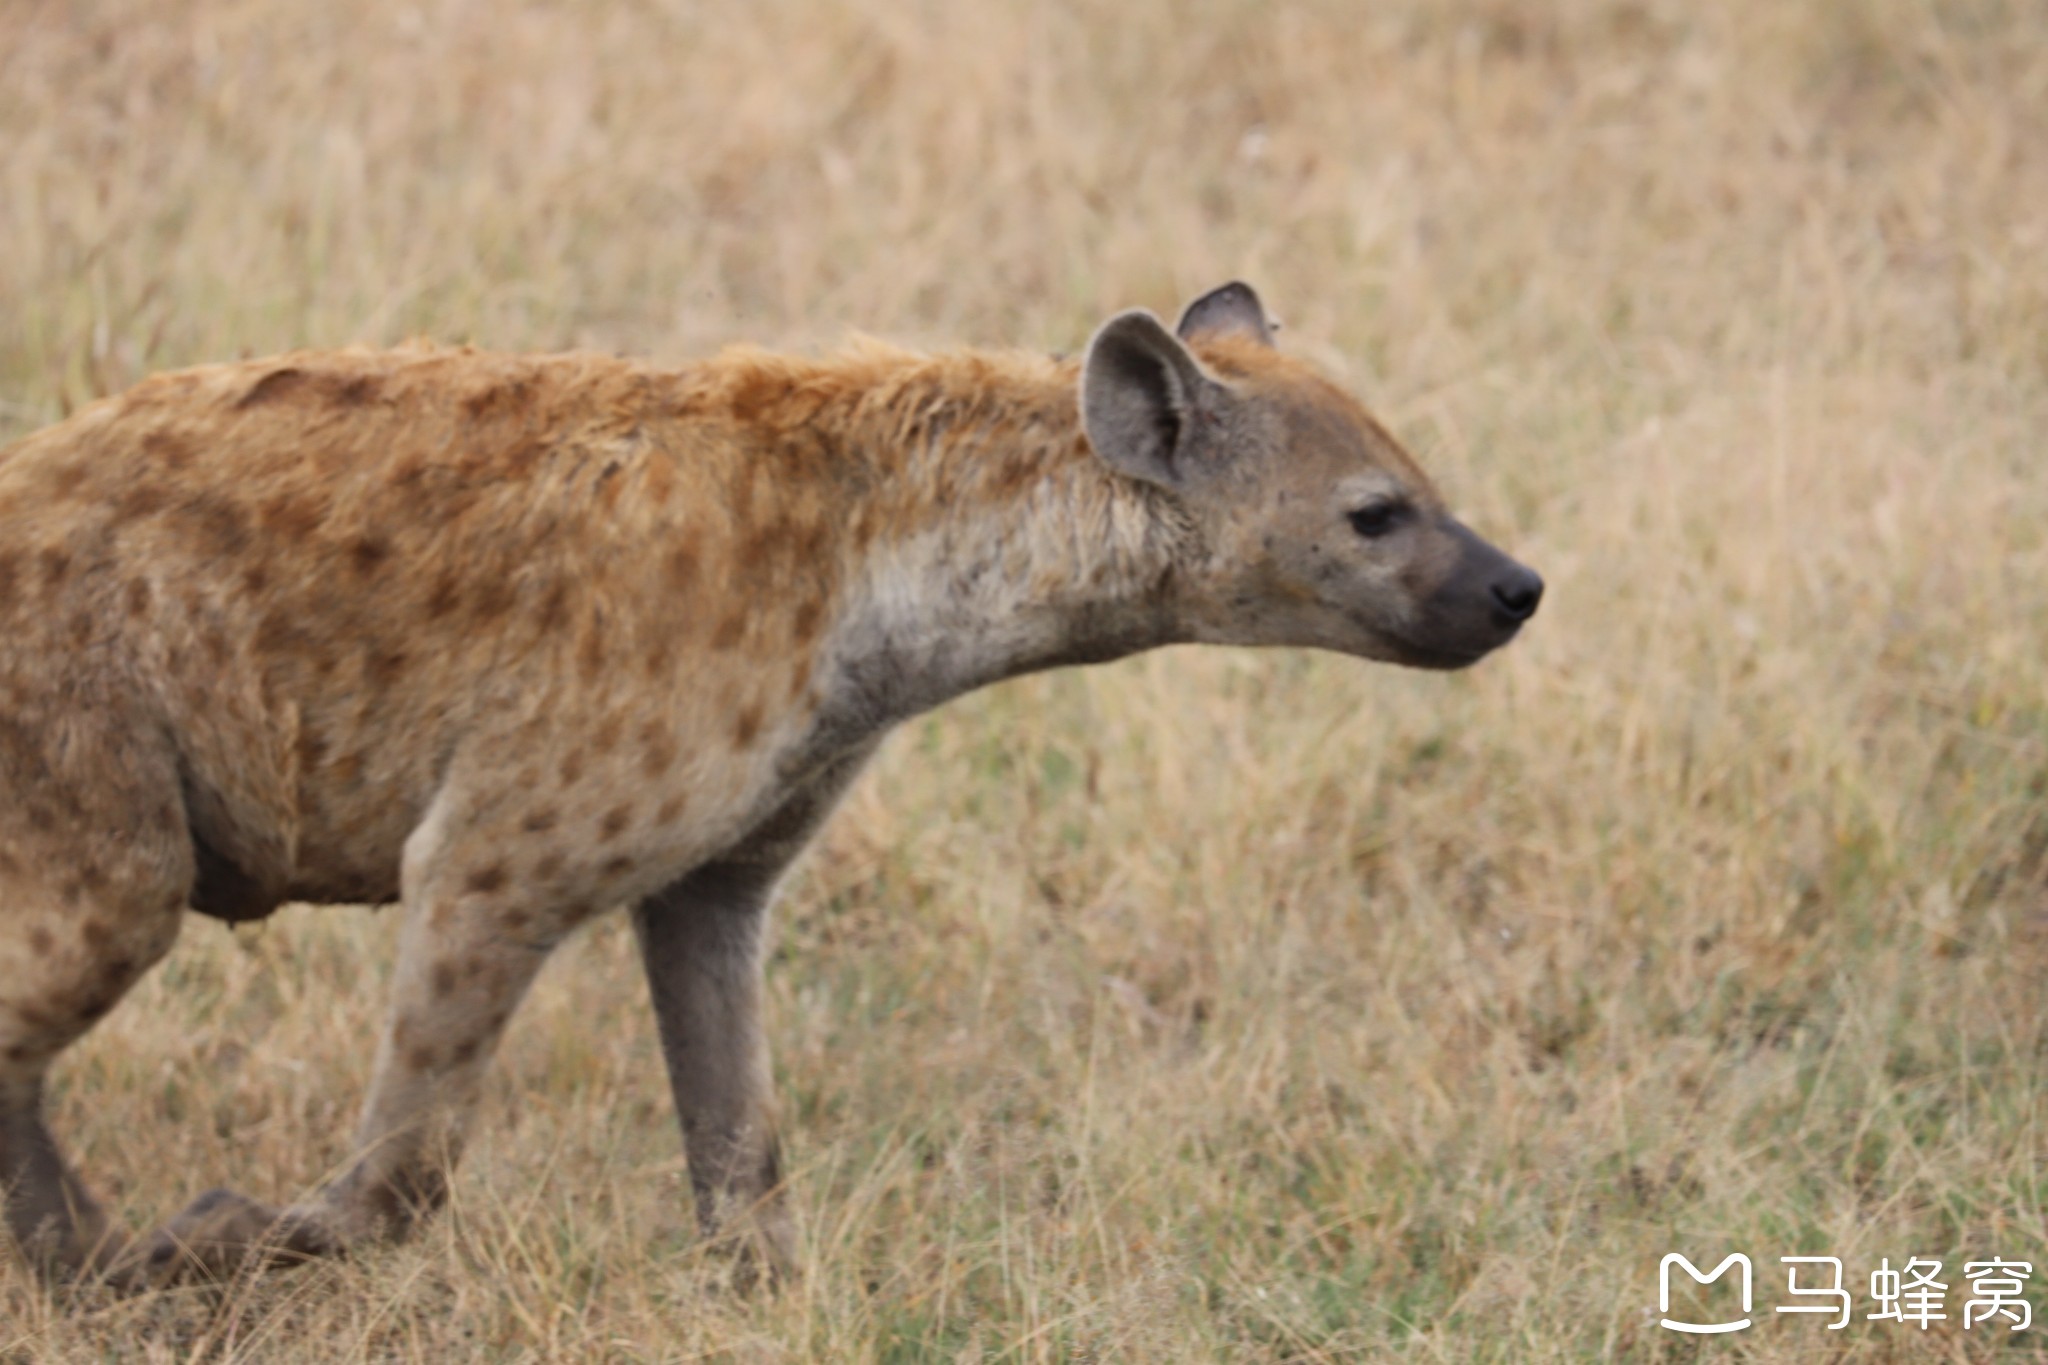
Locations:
219 1233
762 1246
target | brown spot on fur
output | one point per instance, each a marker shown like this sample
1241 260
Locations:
465 1052
757 549
549 867
366 554
617 866
670 809
590 651
572 767
658 748
382 667
682 568
605 737
139 500
505 398
807 542
554 608
255 579
407 472
40 942
614 823
538 821
485 880
447 592
746 725
420 1058
280 632
173 450
803 627
10 575
731 630
753 393
443 980
56 565
220 526
492 599
290 519
312 748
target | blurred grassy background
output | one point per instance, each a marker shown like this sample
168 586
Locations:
1213 1005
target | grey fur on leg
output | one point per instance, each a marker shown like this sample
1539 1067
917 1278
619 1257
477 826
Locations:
700 941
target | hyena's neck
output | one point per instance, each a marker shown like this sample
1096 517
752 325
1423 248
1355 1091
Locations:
986 538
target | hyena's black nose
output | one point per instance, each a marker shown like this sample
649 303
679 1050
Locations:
1517 592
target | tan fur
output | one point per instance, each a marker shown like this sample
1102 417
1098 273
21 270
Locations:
516 639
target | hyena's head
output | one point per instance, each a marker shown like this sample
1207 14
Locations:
1316 527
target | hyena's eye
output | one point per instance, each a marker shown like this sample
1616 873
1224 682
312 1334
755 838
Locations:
1376 519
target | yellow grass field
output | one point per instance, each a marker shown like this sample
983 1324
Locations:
1214 1005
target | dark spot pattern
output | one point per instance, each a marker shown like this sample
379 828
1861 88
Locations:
746 725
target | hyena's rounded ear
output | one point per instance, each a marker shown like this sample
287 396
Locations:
1139 392
1230 310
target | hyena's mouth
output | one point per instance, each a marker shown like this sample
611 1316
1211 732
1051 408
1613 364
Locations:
1444 660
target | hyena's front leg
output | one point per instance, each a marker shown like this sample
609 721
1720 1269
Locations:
701 941
474 936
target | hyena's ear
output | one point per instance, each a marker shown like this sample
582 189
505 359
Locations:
1139 392
1232 310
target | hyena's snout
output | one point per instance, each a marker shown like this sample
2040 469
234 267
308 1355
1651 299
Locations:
1478 606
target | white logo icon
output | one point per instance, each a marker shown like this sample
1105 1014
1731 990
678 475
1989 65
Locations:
1664 1291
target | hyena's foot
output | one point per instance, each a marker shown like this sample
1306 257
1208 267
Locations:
767 1257
761 1244
218 1234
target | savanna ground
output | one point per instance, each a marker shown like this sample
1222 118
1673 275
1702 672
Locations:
1213 1005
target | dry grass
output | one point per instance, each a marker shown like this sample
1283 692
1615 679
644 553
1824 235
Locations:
1211 1005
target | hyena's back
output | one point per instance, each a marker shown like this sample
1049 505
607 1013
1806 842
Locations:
294 589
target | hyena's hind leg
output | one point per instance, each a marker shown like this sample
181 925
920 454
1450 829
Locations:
474 935
95 868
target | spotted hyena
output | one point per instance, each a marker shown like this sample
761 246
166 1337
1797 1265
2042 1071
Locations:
515 639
